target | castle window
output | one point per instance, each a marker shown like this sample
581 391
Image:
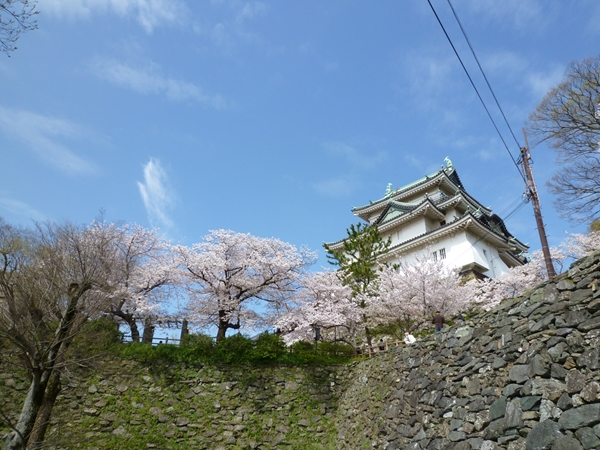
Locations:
434 254
442 253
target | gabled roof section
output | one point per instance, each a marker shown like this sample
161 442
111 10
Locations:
393 210
446 176
426 208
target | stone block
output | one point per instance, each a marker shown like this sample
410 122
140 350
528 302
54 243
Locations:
582 416
542 436
590 392
558 371
575 318
539 365
588 438
530 402
519 373
565 402
590 324
498 408
567 443
548 410
513 416
575 381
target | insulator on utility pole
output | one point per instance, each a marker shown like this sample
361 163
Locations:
531 192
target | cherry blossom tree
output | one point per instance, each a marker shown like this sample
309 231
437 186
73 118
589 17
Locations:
410 294
229 274
578 245
490 292
323 302
145 276
52 281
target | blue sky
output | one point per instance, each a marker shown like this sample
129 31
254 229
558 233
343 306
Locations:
273 118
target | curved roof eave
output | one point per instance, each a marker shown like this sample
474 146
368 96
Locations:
508 257
418 185
466 198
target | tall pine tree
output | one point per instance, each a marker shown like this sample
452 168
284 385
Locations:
357 262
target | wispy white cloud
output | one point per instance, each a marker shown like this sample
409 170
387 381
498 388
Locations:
43 136
505 65
149 80
540 83
346 182
505 62
149 13
250 10
428 76
20 209
515 13
353 156
157 194
335 187
232 28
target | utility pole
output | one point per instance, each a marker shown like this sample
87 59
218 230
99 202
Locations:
531 192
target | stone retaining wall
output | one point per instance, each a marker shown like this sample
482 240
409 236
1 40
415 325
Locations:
522 376
124 405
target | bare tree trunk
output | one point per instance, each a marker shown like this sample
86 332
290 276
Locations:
36 439
18 437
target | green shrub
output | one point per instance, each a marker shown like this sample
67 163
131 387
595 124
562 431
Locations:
196 348
268 348
95 337
138 351
304 352
335 350
302 347
233 349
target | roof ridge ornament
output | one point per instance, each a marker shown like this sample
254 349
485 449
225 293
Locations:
449 165
388 190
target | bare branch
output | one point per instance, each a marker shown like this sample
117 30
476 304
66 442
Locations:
568 118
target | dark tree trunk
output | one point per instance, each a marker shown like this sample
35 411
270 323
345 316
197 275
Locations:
222 331
368 336
184 331
148 335
224 325
131 323
36 439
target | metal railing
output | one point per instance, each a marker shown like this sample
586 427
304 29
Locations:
378 347
155 340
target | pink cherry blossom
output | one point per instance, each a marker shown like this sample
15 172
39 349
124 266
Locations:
237 280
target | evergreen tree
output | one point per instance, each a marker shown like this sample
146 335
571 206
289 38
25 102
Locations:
357 260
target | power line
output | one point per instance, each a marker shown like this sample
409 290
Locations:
476 90
483 73
525 171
